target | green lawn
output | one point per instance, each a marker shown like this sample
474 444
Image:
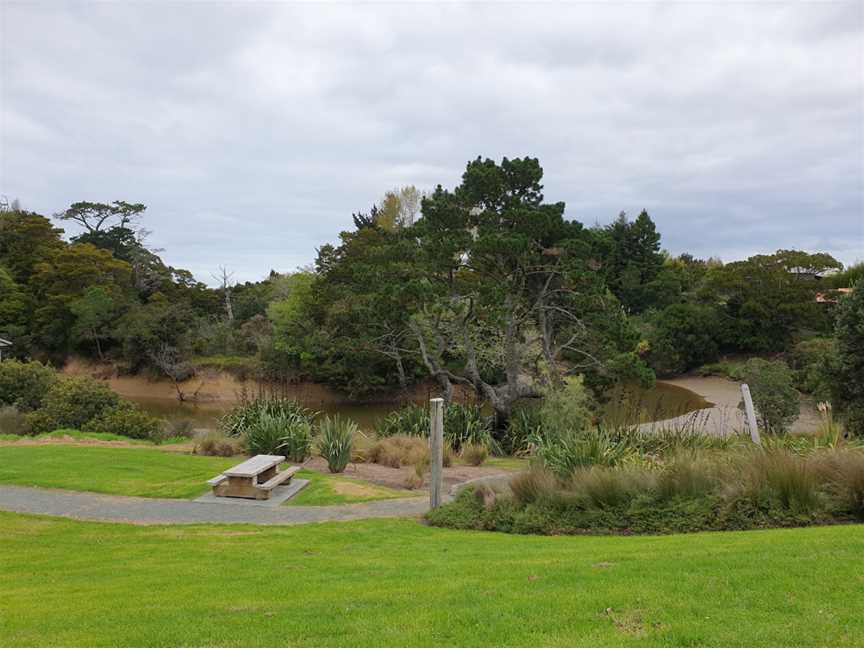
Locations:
154 473
116 471
399 583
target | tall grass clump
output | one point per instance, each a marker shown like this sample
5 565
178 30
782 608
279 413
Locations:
336 440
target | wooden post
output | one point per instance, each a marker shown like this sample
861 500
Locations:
436 445
751 414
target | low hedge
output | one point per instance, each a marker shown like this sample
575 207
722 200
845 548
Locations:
729 491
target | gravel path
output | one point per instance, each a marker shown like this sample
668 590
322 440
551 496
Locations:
143 510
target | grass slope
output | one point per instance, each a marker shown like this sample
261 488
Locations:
115 471
398 583
154 473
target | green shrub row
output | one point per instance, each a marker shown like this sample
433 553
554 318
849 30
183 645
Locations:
694 492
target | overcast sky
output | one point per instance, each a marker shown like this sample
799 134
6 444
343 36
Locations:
253 130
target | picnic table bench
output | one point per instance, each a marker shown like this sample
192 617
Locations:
255 478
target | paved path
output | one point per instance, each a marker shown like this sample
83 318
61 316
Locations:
143 510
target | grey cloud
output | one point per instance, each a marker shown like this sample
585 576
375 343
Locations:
252 131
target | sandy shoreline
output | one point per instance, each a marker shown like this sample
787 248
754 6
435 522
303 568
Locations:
725 417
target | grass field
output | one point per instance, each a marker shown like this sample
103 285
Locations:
153 473
399 583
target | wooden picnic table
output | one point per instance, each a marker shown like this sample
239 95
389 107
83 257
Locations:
255 478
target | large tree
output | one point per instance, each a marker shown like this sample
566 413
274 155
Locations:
767 299
507 285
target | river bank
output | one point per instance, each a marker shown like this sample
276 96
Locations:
724 417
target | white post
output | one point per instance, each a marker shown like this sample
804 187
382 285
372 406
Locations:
436 444
751 414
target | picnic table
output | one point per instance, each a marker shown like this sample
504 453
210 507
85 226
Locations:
255 478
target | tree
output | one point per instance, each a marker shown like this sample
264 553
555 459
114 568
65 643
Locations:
399 208
95 312
683 336
847 379
774 395
631 259
27 240
506 285
57 285
93 217
768 298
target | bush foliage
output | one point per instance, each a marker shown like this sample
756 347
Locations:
336 441
691 492
774 395
25 384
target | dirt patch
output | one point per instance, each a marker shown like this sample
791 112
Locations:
395 477
354 489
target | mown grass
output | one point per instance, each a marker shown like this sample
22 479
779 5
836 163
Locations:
115 471
326 490
77 435
152 473
398 583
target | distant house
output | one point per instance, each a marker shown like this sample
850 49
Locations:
3 344
831 296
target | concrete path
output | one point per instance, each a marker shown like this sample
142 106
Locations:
143 510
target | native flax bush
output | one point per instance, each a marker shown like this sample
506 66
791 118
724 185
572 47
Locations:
272 426
463 424
336 438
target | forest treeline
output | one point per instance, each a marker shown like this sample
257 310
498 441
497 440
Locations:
485 285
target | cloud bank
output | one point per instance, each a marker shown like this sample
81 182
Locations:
252 131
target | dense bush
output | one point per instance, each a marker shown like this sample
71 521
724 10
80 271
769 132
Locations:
523 426
72 402
683 336
693 492
125 419
336 441
11 420
25 384
847 380
272 426
566 410
813 362
774 395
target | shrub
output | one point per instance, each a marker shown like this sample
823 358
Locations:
566 409
412 420
474 454
25 384
217 444
462 424
272 426
847 380
399 450
413 480
71 403
466 424
523 426
126 420
774 395
812 362
12 421
683 336
565 453
174 428
695 491
336 440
